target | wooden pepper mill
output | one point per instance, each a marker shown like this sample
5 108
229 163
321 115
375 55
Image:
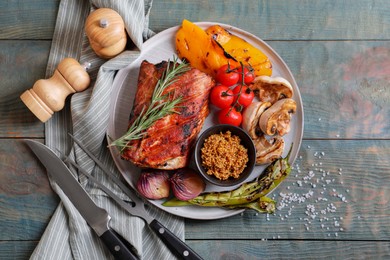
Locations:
48 95
106 33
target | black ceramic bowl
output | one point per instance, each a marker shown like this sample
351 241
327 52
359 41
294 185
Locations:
246 141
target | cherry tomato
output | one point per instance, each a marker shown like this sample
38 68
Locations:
245 97
227 75
221 96
230 116
249 76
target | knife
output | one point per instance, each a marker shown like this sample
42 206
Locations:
137 208
96 217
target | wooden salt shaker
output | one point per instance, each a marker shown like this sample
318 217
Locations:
48 95
106 33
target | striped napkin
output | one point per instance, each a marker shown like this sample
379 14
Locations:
86 116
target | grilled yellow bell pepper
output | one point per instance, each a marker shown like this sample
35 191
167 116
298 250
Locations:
241 50
194 45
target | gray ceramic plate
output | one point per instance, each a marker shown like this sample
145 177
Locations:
162 47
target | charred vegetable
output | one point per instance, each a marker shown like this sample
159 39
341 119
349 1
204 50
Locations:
241 50
187 184
276 120
154 184
208 50
200 50
247 194
262 205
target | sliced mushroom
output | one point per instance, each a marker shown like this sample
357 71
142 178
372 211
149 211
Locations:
272 89
267 151
251 117
276 119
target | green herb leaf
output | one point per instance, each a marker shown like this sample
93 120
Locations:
160 106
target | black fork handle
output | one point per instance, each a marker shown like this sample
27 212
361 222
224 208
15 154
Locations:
175 244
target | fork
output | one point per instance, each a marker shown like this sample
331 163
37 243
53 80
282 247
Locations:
136 208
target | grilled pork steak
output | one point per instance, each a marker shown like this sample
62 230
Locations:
169 140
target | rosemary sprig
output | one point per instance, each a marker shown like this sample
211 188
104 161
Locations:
161 105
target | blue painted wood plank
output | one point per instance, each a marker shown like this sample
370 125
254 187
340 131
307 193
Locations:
21 64
338 52
337 190
282 249
33 19
344 86
250 249
281 20
347 192
298 20
16 250
26 198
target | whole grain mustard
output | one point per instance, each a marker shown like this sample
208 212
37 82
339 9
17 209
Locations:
224 156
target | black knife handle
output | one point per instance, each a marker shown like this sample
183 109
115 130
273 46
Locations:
178 247
117 248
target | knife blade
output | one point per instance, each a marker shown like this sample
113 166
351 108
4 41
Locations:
97 218
175 244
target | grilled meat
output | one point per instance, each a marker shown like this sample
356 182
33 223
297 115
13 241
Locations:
168 141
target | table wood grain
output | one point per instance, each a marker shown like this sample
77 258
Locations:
335 204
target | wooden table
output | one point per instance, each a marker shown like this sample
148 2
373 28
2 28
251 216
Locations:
334 205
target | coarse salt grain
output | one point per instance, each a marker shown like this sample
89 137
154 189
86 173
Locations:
315 208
